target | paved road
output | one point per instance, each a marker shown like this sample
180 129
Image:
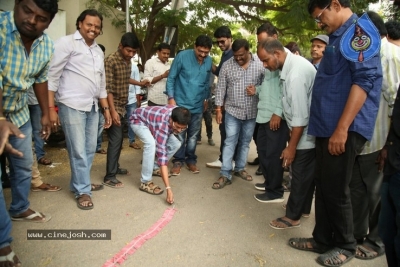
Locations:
210 227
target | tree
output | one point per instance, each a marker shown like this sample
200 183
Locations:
150 17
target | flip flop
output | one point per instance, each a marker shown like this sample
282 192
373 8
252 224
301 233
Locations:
287 223
112 183
46 217
47 188
10 258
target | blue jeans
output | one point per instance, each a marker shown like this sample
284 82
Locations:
21 170
149 150
187 152
100 129
36 115
79 127
129 109
5 221
389 219
240 133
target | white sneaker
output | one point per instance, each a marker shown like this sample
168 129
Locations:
215 164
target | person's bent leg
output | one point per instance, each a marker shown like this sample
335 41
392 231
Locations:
149 151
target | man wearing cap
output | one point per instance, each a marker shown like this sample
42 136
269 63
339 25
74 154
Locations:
318 44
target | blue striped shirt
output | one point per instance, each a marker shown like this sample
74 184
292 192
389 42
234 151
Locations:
20 70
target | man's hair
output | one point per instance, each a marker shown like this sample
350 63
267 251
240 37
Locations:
239 43
268 28
223 31
271 45
102 47
313 4
130 39
293 47
89 12
378 22
163 46
393 29
181 115
203 41
50 6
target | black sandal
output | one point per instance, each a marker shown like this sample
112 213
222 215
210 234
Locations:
301 244
332 259
113 183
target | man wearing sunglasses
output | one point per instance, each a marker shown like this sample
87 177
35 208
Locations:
343 110
224 41
158 127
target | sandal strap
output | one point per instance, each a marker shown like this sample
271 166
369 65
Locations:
8 257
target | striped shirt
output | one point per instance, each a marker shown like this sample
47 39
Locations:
390 59
20 70
231 88
156 118
118 72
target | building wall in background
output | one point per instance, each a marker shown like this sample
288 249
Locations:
65 20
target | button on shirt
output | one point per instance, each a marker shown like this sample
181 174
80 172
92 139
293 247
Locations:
270 97
118 72
134 89
156 118
231 88
188 81
76 73
332 86
20 70
155 93
297 77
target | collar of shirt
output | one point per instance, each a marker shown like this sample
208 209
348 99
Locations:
78 36
286 65
159 60
340 31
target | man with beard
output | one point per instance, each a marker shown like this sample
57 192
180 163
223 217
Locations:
240 102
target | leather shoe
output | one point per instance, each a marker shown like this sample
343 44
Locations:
259 171
254 162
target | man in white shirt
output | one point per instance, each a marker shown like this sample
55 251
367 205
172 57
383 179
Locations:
77 80
156 71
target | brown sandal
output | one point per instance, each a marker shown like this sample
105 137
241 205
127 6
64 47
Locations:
244 175
84 198
46 188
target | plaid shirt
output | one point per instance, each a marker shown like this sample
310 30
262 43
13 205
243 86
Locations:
156 118
20 70
231 88
118 72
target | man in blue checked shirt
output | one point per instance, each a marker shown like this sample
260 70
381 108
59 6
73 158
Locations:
25 52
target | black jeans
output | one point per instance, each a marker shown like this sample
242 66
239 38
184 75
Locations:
365 188
269 149
333 209
301 194
115 139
